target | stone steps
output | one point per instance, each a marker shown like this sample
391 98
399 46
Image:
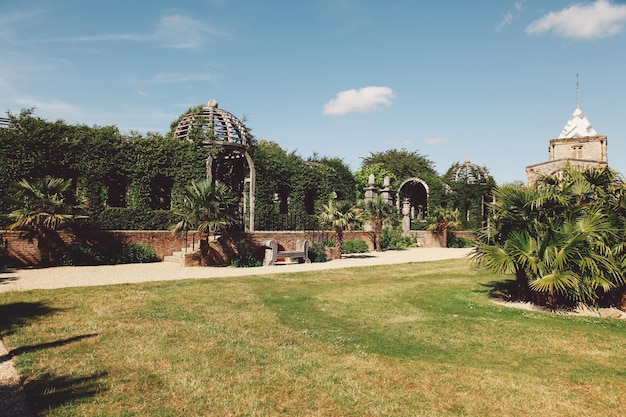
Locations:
177 256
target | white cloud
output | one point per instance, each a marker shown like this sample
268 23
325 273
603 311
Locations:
509 16
365 100
435 141
173 31
178 31
590 21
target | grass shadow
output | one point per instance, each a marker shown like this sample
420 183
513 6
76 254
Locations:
56 343
19 314
505 290
48 391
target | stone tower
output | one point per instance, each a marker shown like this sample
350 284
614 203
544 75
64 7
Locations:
578 144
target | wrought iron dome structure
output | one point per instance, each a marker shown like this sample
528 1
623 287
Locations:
220 128
469 173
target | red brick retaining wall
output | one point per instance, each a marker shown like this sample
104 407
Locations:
24 251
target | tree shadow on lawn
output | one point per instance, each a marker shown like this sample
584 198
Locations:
20 314
505 290
48 391
44 391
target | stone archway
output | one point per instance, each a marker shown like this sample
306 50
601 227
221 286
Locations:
413 194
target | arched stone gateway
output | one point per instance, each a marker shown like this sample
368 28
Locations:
212 126
413 196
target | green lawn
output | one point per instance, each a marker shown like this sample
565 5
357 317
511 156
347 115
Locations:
420 339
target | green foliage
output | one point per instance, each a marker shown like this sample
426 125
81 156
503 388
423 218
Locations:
380 213
289 186
206 207
317 252
354 246
461 242
116 218
361 177
138 253
392 238
339 216
112 252
246 260
469 187
402 163
4 254
563 240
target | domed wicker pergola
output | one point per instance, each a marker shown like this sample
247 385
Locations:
212 126
469 173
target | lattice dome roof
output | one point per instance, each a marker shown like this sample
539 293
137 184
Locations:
469 173
223 127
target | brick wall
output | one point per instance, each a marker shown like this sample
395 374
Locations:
23 251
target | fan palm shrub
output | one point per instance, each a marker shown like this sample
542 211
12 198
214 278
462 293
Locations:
563 239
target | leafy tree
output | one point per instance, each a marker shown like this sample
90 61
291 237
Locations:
361 177
339 216
379 212
42 210
442 220
207 208
563 240
340 176
402 163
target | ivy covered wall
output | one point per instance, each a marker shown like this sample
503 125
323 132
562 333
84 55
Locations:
134 181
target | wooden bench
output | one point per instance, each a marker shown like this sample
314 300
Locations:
272 253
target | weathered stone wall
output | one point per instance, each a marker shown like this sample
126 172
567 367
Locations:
593 148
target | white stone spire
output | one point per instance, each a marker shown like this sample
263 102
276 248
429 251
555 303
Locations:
577 126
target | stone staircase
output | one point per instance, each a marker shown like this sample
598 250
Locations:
178 256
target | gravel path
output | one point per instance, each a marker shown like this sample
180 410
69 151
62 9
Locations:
12 399
86 276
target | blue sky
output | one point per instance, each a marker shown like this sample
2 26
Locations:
489 80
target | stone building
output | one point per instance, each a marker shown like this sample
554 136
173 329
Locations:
578 144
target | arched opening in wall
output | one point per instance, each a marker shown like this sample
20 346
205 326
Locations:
415 192
117 190
310 196
282 200
160 197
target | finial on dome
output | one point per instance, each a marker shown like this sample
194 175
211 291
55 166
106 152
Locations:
212 103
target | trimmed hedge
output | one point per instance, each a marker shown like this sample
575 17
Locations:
354 246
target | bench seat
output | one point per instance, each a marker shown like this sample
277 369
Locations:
272 253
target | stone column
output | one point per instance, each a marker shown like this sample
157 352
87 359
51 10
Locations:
406 218
385 192
370 190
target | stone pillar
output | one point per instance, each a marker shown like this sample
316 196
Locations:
370 190
406 218
385 192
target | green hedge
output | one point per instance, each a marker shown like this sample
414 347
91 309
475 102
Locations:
133 219
354 246
110 253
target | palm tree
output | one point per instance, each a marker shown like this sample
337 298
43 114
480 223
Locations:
442 221
339 216
378 211
559 238
42 210
207 208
